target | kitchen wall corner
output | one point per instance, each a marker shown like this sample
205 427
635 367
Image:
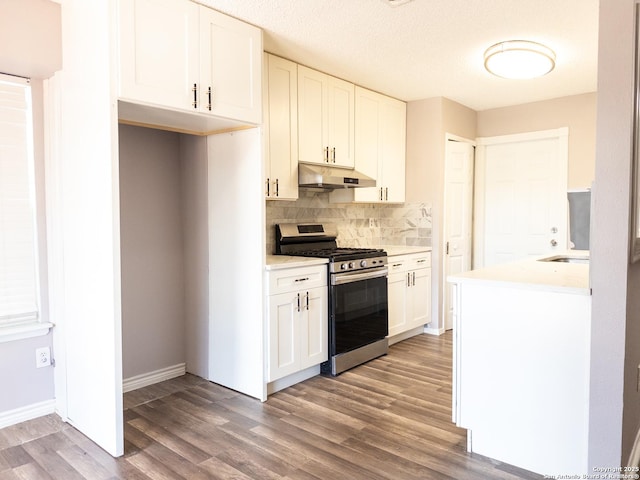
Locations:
406 224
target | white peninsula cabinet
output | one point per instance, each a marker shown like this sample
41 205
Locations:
280 97
180 55
326 116
296 324
380 148
521 364
409 291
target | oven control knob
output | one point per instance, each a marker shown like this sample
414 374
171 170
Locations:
343 266
351 265
363 263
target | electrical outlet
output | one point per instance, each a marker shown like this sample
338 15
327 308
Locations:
43 357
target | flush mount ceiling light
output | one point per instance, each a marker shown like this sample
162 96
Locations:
519 59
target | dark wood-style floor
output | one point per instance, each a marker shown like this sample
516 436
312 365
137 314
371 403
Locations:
387 419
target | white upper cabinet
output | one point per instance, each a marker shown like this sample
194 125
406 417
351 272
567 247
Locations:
380 148
230 67
184 56
326 118
159 52
393 133
280 128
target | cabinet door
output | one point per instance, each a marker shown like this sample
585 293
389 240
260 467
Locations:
397 285
393 149
231 66
283 334
281 127
341 111
313 141
159 52
314 328
419 298
367 142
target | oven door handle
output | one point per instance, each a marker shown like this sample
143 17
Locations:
356 277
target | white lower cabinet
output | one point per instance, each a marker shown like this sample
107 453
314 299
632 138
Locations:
297 322
409 292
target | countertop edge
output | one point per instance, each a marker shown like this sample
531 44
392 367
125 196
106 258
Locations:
280 262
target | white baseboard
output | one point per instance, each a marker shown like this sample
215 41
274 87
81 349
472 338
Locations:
404 335
157 376
29 412
292 379
434 331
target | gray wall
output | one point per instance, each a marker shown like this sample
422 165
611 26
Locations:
152 250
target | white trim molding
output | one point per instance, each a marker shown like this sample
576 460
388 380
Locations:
28 330
28 412
157 376
434 331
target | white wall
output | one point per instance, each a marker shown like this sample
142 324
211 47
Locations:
577 112
31 37
615 327
153 303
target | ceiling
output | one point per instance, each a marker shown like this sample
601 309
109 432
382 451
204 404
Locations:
430 48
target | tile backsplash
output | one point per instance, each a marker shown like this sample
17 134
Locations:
393 224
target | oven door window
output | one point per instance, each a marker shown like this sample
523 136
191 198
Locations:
359 314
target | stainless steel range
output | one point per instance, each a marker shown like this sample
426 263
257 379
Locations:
358 310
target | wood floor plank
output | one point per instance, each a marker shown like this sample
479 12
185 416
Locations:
86 465
389 419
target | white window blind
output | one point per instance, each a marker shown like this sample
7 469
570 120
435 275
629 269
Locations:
18 257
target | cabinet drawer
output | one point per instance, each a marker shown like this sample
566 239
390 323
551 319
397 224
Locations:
397 264
288 280
420 261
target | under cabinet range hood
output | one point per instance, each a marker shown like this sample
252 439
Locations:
331 178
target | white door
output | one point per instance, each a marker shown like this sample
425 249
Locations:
397 300
522 196
341 121
314 328
458 241
313 137
231 65
420 297
284 333
158 51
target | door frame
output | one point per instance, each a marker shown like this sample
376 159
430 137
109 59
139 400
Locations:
562 134
444 236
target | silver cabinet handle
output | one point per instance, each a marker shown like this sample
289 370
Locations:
209 93
333 154
277 188
414 279
326 154
380 193
553 243
298 308
307 301
421 261
408 279
268 184
386 193
301 279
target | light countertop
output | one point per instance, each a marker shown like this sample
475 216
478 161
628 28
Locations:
277 262
393 250
534 274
